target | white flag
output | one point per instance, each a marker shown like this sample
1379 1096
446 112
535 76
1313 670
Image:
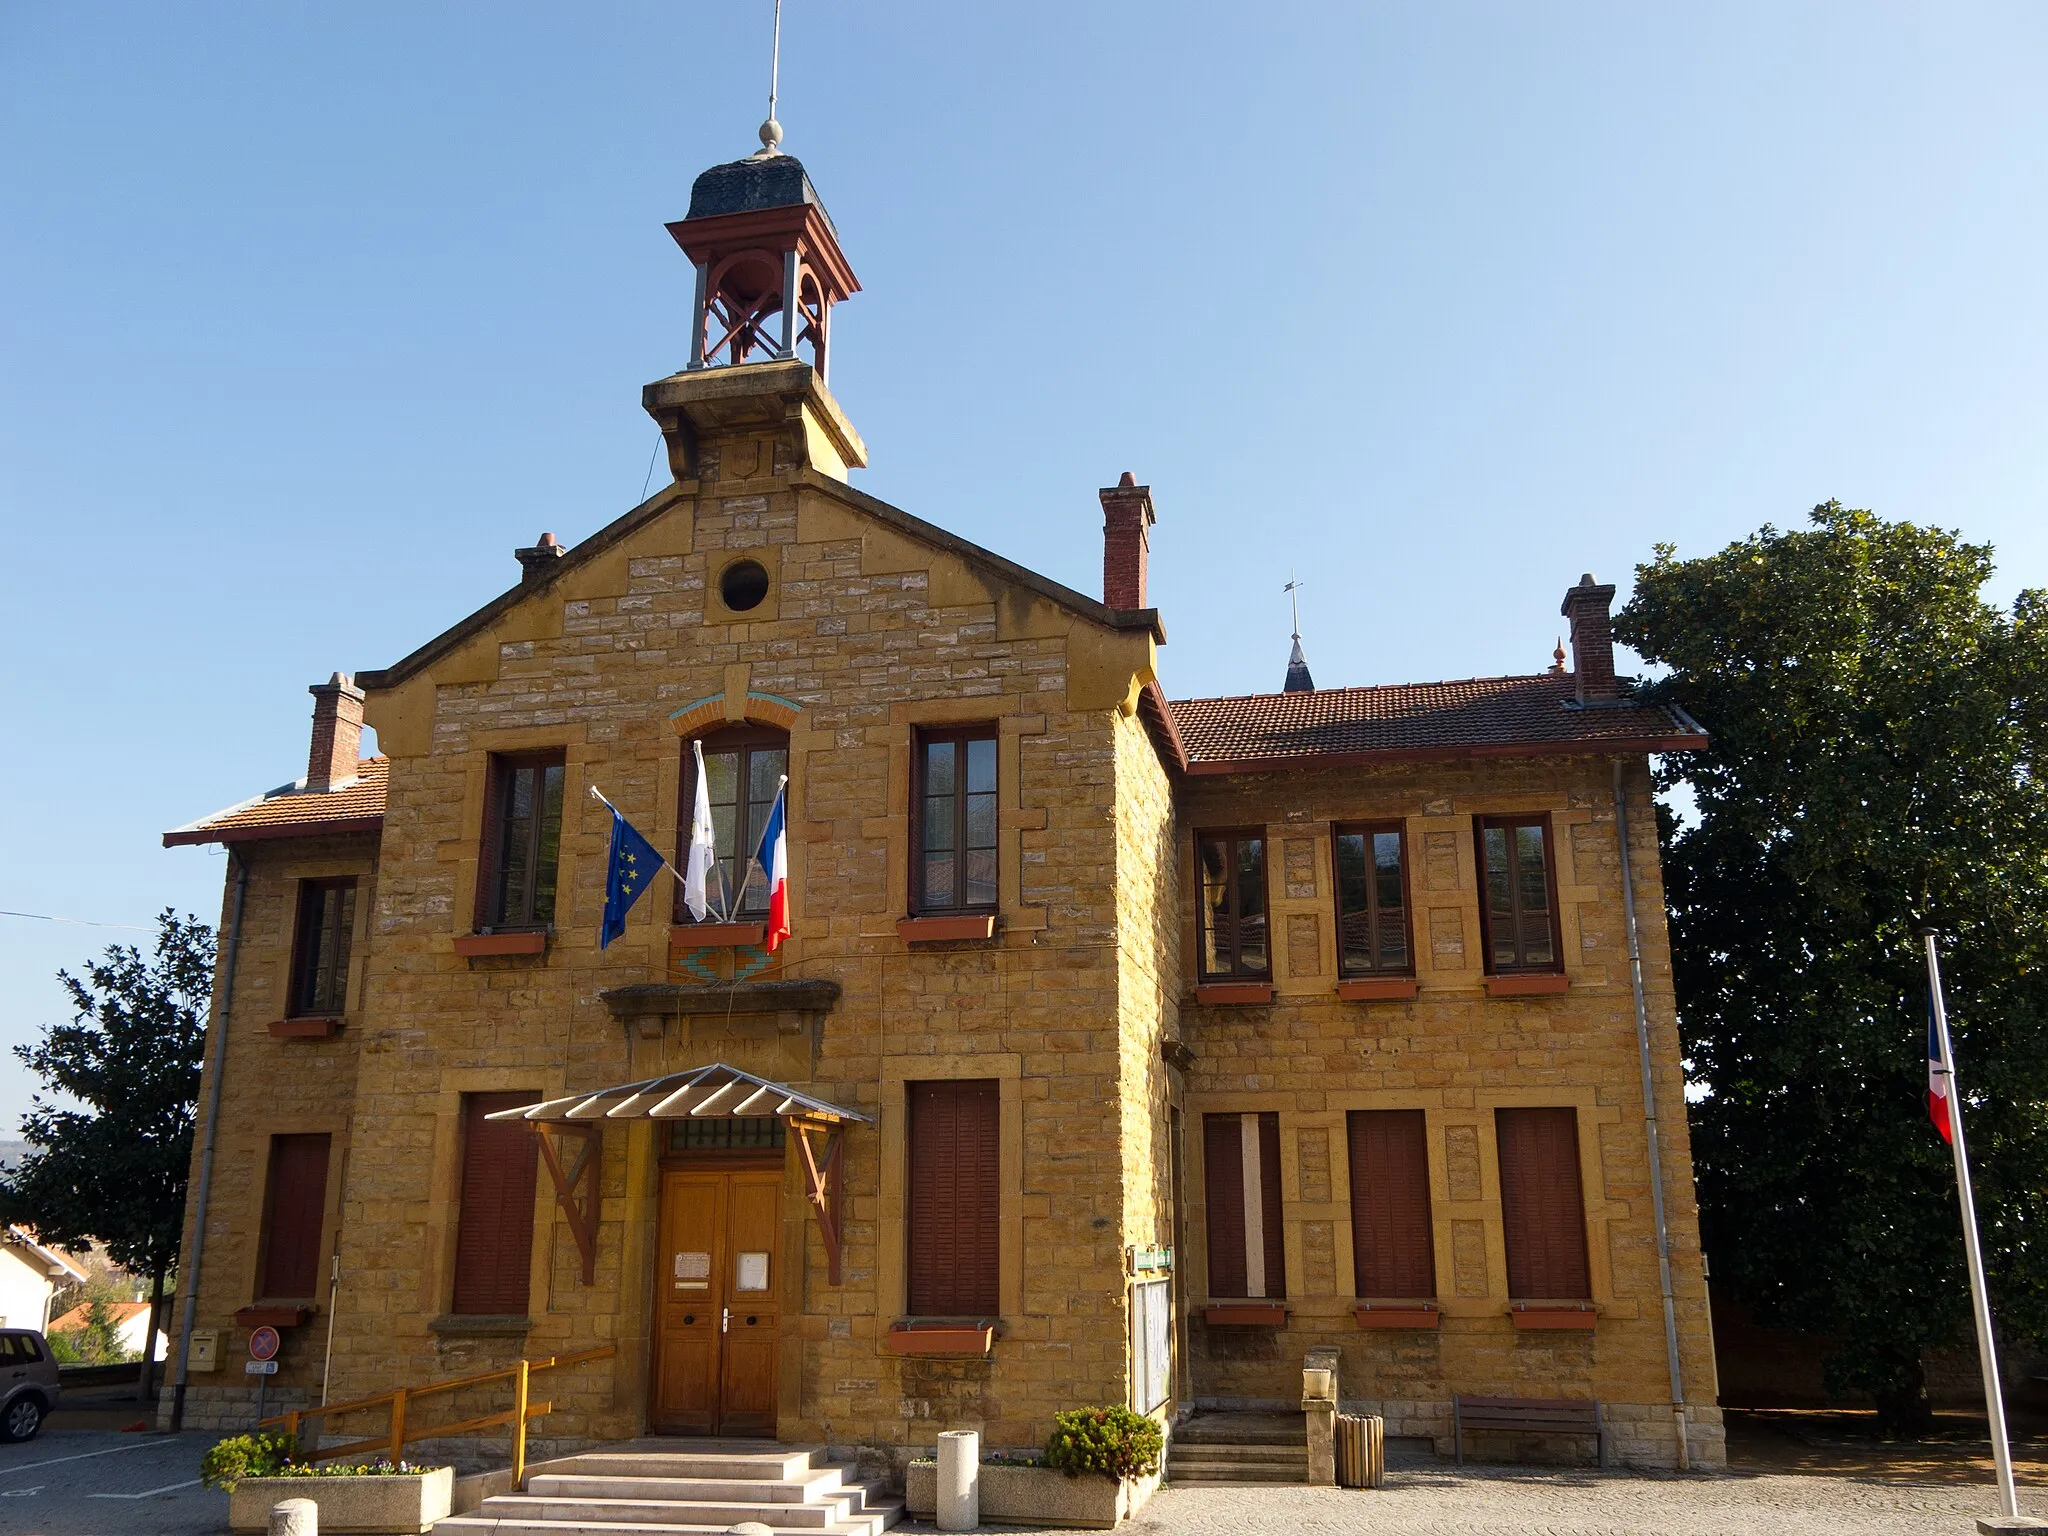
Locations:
703 852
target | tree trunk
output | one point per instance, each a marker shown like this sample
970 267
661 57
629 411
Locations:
1903 1411
156 1312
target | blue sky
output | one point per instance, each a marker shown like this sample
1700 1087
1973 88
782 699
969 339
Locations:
314 312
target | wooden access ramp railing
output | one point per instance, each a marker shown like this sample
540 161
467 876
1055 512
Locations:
400 1429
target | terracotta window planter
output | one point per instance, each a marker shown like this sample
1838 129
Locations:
717 935
1245 1314
939 930
1035 1495
1234 993
1546 985
473 946
1377 989
305 1029
1386 1314
1583 1318
399 1501
940 1339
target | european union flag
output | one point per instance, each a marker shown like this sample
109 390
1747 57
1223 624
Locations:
633 866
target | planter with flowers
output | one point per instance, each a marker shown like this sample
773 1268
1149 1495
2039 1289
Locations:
260 1470
1098 1468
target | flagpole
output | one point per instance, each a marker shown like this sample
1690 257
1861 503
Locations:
1980 1298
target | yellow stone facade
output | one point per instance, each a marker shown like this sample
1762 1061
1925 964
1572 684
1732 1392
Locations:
1082 1005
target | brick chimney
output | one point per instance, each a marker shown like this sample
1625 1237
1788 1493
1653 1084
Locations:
337 734
1126 514
537 559
1586 606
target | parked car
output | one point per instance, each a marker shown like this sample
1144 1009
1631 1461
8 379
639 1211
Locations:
28 1383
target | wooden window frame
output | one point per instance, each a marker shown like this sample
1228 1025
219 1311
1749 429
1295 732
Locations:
1512 1226
490 850
991 1283
959 736
744 739
266 1233
1480 827
1235 837
297 1006
1356 1125
474 1106
1369 829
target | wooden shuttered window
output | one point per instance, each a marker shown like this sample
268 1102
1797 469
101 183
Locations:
1393 1248
294 1206
1231 870
1241 1189
953 821
494 1227
1543 1209
1519 889
743 769
954 1200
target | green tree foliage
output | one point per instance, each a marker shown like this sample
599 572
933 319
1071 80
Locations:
114 1167
1877 762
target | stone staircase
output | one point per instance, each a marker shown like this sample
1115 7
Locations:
1239 1448
679 1491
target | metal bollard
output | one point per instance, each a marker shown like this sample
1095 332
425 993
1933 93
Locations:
959 1480
295 1517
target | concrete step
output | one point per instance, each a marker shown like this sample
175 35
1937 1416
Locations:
480 1524
617 1506
1194 1455
816 1483
781 1465
1245 1474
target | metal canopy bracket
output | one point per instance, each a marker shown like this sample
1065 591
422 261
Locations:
713 1091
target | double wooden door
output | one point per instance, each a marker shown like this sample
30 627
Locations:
718 1326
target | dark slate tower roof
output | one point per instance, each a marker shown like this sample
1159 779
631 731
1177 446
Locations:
1298 680
750 185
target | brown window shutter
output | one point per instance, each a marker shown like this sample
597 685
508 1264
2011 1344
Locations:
955 1189
1542 1206
494 1228
1392 1245
1223 1185
294 1203
1269 1189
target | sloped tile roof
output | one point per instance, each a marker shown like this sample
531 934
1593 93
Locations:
1473 716
293 811
117 1312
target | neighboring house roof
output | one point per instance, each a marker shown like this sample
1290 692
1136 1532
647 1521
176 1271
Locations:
57 1264
291 810
1479 716
120 1312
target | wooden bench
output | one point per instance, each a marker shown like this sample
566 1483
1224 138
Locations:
1529 1416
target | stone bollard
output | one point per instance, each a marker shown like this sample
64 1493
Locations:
959 1480
295 1517
1319 1407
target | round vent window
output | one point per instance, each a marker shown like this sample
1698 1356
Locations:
743 584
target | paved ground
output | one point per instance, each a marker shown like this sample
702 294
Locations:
93 1482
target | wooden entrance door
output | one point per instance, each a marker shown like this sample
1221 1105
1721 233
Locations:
718 1327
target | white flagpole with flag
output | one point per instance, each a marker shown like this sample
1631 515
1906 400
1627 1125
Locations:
1944 1068
703 846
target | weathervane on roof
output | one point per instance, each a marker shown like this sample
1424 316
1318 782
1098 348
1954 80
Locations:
1298 680
771 130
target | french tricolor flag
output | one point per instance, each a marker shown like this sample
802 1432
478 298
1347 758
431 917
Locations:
1937 1078
773 857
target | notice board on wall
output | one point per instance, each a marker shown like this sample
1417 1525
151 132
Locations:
1151 1342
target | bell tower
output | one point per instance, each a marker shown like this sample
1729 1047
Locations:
769 267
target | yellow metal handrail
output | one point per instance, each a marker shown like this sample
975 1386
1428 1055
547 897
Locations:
392 1442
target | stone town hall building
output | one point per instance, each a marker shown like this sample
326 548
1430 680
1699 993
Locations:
1124 1048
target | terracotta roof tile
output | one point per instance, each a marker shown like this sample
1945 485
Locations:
291 811
1479 715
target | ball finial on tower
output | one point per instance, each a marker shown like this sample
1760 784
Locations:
771 137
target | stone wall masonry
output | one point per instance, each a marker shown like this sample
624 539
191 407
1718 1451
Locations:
1457 1054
